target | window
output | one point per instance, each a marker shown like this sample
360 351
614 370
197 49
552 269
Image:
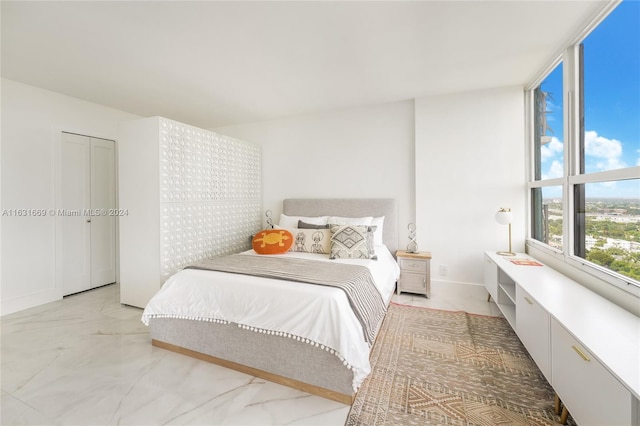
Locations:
548 208
547 196
611 232
548 127
585 146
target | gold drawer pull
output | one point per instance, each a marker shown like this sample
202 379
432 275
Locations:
528 300
582 354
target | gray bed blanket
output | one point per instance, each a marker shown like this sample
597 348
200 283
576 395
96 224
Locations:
355 280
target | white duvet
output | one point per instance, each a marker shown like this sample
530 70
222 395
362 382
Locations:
318 314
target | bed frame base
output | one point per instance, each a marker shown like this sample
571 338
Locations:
285 381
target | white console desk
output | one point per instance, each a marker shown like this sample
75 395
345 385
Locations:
587 347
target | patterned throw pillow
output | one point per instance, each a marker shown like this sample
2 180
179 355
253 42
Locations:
272 241
311 240
352 242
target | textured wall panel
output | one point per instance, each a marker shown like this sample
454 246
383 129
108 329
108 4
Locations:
210 195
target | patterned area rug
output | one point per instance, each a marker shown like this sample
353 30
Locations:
451 368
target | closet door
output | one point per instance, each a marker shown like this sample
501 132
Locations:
75 226
88 234
103 222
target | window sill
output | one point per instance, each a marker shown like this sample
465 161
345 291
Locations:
615 289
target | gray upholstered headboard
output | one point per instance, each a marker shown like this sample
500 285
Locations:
349 207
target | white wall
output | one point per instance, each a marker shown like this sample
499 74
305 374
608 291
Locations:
32 119
364 152
469 158
450 161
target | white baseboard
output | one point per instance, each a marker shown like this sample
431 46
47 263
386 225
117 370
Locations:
28 301
445 282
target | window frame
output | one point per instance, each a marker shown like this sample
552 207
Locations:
572 175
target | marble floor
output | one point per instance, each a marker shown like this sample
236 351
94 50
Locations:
87 360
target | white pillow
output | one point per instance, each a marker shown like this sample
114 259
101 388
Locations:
337 220
291 222
378 222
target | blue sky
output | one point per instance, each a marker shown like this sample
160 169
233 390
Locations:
612 102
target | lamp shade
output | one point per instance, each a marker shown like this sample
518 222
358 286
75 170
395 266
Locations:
504 216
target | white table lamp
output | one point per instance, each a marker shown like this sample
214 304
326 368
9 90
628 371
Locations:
505 217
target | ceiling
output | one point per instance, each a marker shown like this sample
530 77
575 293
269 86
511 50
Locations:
212 63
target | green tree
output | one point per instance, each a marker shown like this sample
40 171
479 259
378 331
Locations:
600 257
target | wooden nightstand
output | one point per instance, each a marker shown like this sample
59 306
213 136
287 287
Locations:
415 275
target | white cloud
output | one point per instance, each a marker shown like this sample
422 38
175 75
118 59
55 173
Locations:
556 170
607 152
551 149
612 163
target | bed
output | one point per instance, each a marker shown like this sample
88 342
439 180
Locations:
326 356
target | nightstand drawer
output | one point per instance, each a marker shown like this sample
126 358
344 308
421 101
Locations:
413 265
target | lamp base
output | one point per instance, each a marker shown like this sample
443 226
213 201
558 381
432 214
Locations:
506 253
